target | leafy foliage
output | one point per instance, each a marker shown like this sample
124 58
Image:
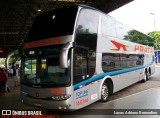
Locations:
156 37
140 38
2 61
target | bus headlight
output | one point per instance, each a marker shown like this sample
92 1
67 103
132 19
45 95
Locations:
61 97
65 107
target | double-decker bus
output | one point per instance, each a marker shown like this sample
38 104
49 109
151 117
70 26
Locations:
76 55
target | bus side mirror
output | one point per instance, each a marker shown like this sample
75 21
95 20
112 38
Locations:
64 54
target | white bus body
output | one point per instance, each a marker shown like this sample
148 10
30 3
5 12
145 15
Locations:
84 66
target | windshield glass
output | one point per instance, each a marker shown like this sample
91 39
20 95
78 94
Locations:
58 22
41 67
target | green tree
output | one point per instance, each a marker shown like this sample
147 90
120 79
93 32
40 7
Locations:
156 37
139 37
2 61
14 58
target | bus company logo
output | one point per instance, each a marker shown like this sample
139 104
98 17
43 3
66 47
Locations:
119 46
143 49
81 94
6 112
42 43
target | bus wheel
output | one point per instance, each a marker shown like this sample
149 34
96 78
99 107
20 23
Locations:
148 76
104 92
145 77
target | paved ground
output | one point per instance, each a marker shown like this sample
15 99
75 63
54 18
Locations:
140 86
12 100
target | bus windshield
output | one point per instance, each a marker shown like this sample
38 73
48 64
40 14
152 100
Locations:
41 67
59 22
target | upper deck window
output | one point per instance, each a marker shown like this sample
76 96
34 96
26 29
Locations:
108 26
58 22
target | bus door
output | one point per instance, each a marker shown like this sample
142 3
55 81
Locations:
80 77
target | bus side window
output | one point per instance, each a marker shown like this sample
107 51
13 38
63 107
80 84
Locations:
108 27
80 64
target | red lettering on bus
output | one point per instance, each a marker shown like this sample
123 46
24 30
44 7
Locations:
56 41
81 102
57 91
48 42
136 48
146 50
142 49
31 45
41 43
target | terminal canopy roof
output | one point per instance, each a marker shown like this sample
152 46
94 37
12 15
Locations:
16 17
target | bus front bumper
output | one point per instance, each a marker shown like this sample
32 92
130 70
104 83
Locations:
49 104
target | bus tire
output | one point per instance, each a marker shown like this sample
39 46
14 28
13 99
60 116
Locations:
149 73
104 92
145 77
148 76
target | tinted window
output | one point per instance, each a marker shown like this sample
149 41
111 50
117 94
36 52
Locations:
113 62
86 35
87 22
54 23
87 28
80 64
110 62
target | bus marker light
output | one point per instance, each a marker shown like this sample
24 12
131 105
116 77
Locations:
82 86
83 77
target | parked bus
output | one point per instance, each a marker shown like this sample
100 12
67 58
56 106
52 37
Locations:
78 55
